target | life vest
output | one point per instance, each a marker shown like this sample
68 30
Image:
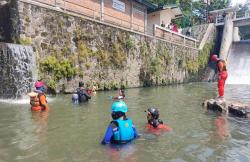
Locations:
224 65
35 101
125 132
161 127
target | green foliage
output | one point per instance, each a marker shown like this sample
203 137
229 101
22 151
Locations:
119 57
194 11
103 58
143 50
130 44
60 68
156 67
52 84
204 55
88 65
25 40
83 51
192 65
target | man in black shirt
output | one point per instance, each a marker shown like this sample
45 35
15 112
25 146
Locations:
83 96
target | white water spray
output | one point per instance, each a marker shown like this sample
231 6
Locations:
238 63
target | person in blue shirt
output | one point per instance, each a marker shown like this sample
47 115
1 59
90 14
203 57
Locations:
121 130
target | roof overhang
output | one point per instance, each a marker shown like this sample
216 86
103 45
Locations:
150 6
175 9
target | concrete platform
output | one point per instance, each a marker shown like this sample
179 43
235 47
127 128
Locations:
234 108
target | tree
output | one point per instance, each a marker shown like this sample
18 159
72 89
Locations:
194 12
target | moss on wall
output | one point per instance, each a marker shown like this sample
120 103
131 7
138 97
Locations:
71 49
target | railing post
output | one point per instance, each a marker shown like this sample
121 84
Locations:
64 5
102 10
154 30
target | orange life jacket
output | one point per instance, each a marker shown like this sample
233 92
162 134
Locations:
35 101
160 127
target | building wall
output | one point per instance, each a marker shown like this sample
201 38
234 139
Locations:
139 13
166 16
112 14
92 8
153 18
158 17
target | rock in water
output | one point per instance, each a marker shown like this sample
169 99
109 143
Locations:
234 108
216 105
239 109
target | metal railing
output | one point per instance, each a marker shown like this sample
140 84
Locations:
174 36
236 15
97 15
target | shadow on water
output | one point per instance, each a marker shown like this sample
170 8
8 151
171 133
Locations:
71 132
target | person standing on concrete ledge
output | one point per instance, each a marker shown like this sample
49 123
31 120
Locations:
222 74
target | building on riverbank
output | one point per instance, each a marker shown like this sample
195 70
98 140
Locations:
130 14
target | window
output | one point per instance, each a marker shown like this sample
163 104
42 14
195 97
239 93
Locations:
138 9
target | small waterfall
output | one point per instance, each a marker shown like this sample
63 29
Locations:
238 63
17 70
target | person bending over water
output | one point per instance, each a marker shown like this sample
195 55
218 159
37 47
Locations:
121 129
38 99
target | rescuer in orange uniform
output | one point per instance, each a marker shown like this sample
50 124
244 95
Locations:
38 100
222 74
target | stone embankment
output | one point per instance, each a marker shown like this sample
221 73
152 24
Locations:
70 48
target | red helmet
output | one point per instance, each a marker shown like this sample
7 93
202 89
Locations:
214 57
39 84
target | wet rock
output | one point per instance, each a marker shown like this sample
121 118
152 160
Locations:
234 108
216 105
239 109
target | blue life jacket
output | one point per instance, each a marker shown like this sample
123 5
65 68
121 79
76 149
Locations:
125 132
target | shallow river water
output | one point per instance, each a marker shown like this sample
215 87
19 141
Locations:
71 133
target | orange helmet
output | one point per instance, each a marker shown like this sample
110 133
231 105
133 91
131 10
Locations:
214 57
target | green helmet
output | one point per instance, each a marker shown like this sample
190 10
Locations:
119 106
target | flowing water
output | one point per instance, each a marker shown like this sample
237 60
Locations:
73 132
17 70
239 63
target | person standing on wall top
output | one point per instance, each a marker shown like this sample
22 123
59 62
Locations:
222 74
83 96
163 24
38 99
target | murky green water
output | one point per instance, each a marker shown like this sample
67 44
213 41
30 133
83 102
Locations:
73 133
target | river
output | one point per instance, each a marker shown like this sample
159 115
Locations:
73 132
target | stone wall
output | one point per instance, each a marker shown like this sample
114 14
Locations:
5 23
69 49
197 31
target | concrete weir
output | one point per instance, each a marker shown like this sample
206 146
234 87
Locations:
234 108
